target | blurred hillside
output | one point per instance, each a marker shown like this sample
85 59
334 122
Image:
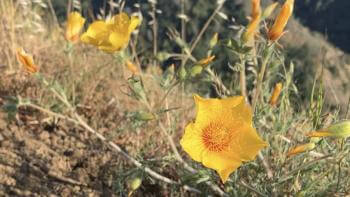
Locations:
317 36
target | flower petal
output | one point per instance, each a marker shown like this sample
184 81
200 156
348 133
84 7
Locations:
96 33
192 143
74 25
247 143
134 22
118 40
223 162
209 109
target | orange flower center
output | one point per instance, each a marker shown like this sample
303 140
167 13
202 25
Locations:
216 137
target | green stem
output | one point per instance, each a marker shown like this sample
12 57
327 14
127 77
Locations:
266 60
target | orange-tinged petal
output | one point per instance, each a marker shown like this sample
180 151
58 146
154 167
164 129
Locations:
301 148
192 142
26 60
223 162
74 25
281 21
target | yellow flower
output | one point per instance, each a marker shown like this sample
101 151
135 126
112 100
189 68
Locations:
254 23
74 25
111 35
301 148
27 60
222 136
338 130
281 21
275 94
206 61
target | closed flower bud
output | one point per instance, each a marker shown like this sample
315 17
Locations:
269 10
253 26
281 21
301 149
132 67
196 70
206 61
338 130
275 94
214 40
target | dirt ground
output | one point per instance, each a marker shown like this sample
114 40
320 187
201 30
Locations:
43 156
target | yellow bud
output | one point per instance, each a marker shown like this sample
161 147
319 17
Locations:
214 40
301 148
145 116
196 70
162 56
269 10
134 184
275 94
132 67
315 139
182 73
338 130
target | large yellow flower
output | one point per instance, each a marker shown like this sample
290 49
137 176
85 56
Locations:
75 23
222 136
111 35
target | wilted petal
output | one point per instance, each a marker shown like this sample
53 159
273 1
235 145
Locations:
26 60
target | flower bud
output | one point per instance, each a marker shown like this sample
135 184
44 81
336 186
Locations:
301 148
269 10
338 130
213 40
281 21
275 94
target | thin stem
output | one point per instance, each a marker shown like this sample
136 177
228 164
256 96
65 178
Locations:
339 164
204 28
266 60
155 32
242 78
251 188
